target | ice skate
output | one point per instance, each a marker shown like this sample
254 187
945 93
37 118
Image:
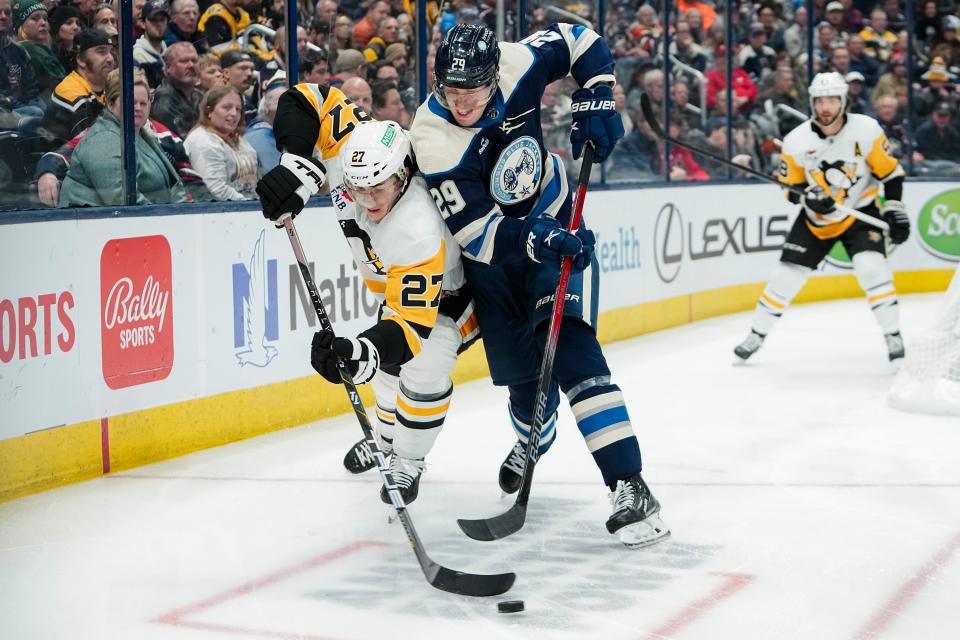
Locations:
360 458
636 514
895 349
749 346
406 474
511 471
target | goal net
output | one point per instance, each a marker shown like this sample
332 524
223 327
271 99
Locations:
929 380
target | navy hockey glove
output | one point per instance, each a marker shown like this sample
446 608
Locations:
545 241
361 356
816 200
894 212
595 119
288 186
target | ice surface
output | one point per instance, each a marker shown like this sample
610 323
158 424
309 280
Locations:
801 507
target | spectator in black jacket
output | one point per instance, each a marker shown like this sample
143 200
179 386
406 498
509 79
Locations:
20 105
939 137
184 16
176 103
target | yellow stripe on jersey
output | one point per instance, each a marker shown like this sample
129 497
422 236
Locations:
790 172
375 286
412 296
882 164
338 116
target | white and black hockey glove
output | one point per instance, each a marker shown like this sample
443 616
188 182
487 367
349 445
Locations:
287 187
816 200
361 356
895 213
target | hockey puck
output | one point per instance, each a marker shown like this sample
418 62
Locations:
510 606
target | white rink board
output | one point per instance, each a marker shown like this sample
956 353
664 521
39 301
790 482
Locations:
652 244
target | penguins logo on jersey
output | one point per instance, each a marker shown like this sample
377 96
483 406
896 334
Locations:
353 232
517 173
837 177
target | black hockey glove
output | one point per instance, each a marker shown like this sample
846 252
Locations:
288 186
595 119
816 200
361 356
547 242
894 212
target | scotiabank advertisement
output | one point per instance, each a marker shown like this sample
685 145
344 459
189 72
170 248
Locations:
136 301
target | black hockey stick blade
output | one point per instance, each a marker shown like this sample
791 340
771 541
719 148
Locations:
497 527
471 584
646 107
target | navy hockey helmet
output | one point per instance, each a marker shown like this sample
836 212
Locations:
468 57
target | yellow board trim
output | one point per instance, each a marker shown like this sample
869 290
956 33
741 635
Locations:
72 453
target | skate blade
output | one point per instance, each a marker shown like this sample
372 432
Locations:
644 533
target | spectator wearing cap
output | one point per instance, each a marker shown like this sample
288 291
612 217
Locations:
367 26
939 137
878 41
33 32
795 35
893 81
685 49
238 71
387 34
184 17
937 89
92 179
20 104
868 66
148 49
359 93
64 28
756 58
833 14
350 64
177 102
397 57
744 89
78 99
857 94
314 67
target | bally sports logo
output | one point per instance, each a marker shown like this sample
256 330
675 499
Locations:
938 225
136 304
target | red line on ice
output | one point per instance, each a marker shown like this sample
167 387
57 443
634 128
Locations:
176 617
907 592
692 612
105 444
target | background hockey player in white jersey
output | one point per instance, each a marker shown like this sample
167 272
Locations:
479 143
840 158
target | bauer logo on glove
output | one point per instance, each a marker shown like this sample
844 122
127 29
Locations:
595 120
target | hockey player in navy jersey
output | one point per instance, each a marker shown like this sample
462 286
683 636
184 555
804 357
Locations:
479 144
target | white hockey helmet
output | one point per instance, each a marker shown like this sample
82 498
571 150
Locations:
828 84
375 151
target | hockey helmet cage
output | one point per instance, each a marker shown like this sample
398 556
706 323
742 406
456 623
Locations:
468 57
828 84
374 152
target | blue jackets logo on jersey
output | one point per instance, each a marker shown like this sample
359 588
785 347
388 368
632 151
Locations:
517 172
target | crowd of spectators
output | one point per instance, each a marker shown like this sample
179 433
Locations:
209 78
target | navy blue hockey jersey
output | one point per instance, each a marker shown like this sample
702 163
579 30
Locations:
486 178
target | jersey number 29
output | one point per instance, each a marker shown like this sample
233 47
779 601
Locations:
448 198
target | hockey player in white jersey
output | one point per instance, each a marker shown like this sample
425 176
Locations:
840 158
411 264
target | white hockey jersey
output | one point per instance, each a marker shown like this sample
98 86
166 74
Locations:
408 260
850 166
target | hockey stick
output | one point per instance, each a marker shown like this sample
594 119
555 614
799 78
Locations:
647 108
466 584
513 519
